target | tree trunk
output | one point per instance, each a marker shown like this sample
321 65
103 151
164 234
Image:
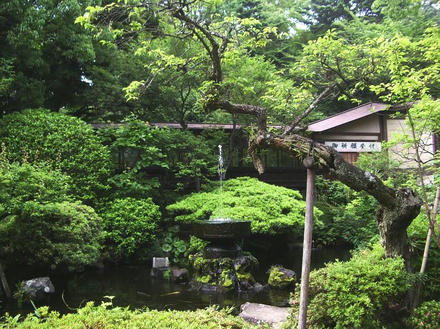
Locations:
397 207
393 222
4 282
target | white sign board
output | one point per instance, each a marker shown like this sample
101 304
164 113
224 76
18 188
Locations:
354 146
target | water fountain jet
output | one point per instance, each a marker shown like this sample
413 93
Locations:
222 265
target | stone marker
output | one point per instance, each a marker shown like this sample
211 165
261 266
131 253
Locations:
160 266
159 262
262 314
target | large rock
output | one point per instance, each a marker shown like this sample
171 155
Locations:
38 288
223 274
179 275
281 278
262 314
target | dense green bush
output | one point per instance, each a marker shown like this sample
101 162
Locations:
355 294
130 226
20 183
349 217
65 143
426 316
40 224
153 158
417 232
103 317
57 235
269 208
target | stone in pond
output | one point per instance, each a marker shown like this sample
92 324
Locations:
280 277
179 275
38 288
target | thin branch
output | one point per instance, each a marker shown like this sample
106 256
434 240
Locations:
295 123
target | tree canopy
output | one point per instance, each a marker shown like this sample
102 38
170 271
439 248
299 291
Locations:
358 58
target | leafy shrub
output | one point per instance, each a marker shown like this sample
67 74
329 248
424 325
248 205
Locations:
427 315
56 235
173 246
356 293
177 249
20 183
269 208
65 143
184 160
104 317
40 224
417 232
130 226
348 216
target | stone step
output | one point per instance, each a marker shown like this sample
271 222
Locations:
261 314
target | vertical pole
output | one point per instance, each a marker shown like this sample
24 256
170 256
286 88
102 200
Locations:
307 245
4 282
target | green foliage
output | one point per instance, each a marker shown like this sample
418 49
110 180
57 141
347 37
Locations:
130 226
103 316
356 293
40 224
348 216
196 245
19 294
426 316
174 246
417 232
57 235
180 250
178 155
20 183
63 142
270 209
46 53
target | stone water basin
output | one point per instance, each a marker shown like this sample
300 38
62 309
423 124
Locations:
223 235
220 228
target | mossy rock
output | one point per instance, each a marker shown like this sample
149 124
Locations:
281 278
223 274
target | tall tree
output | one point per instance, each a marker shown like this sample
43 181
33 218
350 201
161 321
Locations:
46 51
332 66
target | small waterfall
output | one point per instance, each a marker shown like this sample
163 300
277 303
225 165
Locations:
221 175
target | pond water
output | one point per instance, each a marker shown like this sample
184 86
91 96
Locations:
134 287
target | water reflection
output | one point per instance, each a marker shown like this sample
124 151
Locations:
134 287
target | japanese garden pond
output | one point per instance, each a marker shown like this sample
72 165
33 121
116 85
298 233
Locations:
133 286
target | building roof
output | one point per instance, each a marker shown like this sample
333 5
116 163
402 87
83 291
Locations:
193 126
347 116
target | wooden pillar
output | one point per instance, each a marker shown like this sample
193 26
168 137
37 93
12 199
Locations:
307 244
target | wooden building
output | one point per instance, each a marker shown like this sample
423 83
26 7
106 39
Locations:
351 132
364 128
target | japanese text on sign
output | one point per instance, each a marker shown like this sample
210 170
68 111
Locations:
353 146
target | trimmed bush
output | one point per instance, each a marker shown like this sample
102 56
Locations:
20 183
356 293
427 316
270 209
56 235
40 224
64 142
103 317
130 226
